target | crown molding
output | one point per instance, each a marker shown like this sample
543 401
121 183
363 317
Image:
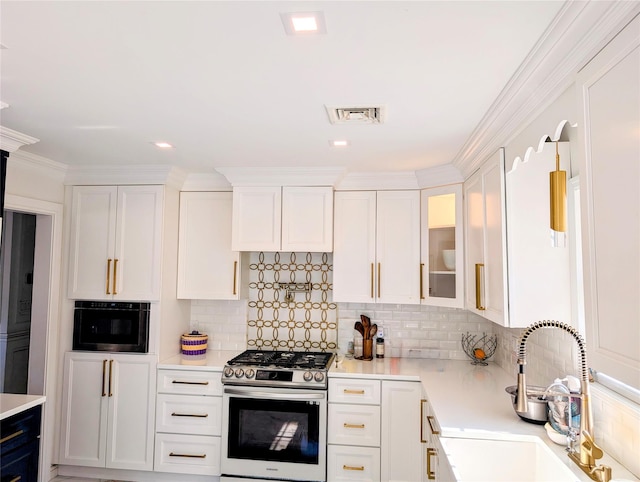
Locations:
377 181
210 181
11 140
39 165
281 176
439 176
579 31
125 175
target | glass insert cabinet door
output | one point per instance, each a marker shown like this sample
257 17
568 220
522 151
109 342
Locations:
441 264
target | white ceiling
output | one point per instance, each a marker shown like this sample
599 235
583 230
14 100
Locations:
97 82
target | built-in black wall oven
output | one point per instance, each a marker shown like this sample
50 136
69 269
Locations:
111 326
274 422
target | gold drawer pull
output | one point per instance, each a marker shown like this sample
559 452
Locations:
430 419
189 383
353 392
12 436
198 415
191 456
431 475
16 478
353 425
350 467
479 286
422 439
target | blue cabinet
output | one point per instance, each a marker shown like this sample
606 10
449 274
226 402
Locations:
20 446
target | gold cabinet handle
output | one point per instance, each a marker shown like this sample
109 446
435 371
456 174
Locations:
115 275
351 467
180 382
196 415
431 475
110 377
235 276
479 276
421 281
354 425
422 439
191 456
371 277
379 279
104 373
12 436
17 478
430 419
108 276
353 392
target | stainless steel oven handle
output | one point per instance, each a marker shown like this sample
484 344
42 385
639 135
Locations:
275 395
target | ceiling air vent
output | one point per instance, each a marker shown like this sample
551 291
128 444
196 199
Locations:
356 115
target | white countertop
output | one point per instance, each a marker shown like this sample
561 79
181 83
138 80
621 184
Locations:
12 404
468 400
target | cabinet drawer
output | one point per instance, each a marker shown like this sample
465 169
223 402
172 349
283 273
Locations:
20 429
347 390
188 382
353 463
188 414
187 454
354 424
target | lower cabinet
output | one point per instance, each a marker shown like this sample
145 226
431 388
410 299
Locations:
188 422
353 432
435 463
108 410
401 447
20 446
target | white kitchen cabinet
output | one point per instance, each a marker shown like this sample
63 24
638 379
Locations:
116 242
282 219
435 464
208 269
353 429
538 273
485 246
377 247
608 97
442 251
108 411
189 422
400 446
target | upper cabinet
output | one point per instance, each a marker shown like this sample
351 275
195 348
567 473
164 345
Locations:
282 219
539 274
609 96
441 265
485 267
116 242
377 247
208 269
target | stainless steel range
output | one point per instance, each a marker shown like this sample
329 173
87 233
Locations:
275 415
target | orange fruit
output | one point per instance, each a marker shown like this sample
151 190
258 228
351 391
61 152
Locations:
479 353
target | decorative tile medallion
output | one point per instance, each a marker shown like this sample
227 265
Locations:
289 302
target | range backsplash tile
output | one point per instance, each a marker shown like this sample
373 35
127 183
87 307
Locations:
278 318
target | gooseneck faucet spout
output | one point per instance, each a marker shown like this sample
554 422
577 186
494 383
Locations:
589 452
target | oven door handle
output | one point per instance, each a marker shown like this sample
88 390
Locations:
275 395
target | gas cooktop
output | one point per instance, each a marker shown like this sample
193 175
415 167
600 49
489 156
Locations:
279 368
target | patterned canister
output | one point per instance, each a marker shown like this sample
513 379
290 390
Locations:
194 343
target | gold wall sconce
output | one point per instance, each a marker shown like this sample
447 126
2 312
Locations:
558 203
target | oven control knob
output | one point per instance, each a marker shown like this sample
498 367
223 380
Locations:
228 372
249 373
318 377
307 376
239 372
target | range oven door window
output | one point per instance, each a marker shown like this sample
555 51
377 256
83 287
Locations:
274 430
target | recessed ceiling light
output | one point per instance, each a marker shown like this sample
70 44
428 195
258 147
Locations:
163 145
303 23
339 143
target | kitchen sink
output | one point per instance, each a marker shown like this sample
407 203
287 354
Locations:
524 459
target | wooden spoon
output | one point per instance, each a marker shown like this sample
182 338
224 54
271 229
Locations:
373 331
359 328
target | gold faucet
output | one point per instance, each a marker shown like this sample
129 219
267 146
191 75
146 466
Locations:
588 451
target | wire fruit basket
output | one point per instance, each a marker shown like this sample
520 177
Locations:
479 349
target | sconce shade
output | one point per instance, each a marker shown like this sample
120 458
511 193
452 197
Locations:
558 201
